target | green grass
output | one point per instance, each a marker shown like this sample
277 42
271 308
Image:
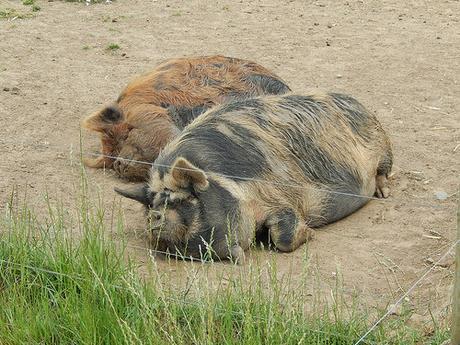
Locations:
28 2
63 282
113 47
10 13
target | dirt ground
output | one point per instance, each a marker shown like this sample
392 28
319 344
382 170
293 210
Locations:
401 59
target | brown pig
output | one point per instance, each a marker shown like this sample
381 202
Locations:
155 107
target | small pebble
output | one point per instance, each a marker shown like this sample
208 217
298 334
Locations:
441 195
418 319
446 262
339 76
395 309
6 89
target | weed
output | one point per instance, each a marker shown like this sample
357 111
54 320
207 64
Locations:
113 47
10 13
28 2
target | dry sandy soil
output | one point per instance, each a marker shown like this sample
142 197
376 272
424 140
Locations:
399 58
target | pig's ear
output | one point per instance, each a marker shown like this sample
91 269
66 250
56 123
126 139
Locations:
104 119
185 173
139 193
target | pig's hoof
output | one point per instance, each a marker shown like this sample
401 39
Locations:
381 187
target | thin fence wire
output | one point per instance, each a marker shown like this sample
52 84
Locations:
236 177
242 178
280 184
405 294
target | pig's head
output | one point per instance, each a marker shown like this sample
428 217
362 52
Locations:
182 203
109 121
132 135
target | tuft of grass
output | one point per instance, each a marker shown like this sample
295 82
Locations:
28 2
113 47
62 281
10 13
86 47
36 8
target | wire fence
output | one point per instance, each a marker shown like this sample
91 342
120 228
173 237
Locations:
362 339
405 294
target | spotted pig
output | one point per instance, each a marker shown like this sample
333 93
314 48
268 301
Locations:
155 107
284 163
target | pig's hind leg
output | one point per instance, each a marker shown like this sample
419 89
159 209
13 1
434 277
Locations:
382 189
287 230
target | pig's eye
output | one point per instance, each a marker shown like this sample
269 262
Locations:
193 195
166 193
